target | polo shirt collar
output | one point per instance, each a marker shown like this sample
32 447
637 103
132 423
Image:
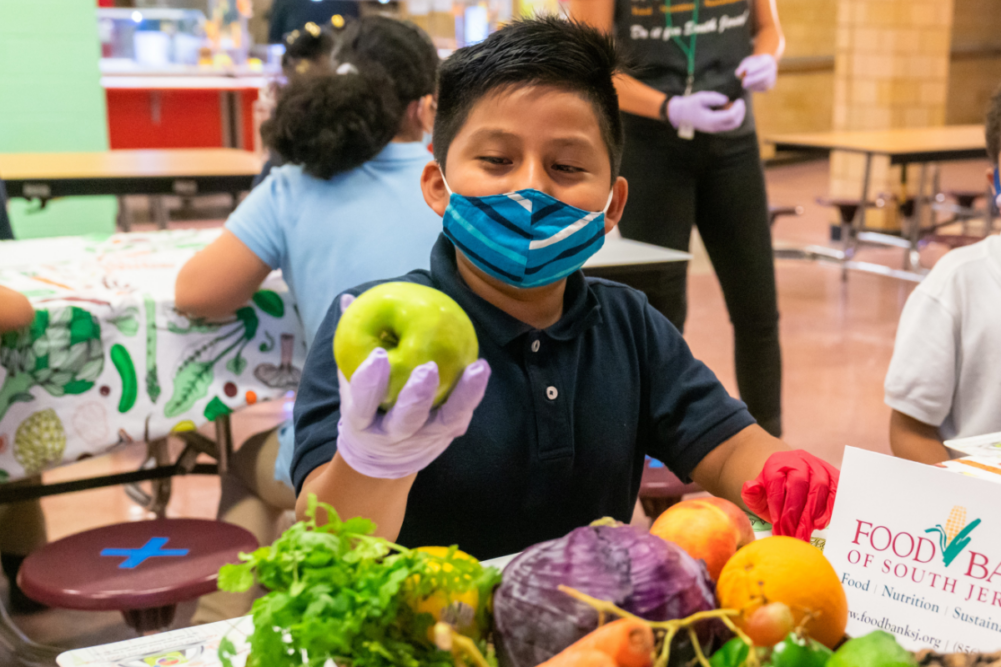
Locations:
581 309
407 150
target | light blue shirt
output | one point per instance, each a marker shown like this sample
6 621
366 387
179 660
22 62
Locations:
327 236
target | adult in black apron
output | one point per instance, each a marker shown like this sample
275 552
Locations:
691 157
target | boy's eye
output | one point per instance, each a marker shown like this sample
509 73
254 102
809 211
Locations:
494 160
567 169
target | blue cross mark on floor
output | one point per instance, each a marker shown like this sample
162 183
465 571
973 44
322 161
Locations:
136 557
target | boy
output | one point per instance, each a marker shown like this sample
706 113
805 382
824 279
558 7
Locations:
943 379
585 378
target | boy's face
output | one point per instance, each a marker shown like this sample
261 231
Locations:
530 137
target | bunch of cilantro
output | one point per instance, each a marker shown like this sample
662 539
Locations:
338 593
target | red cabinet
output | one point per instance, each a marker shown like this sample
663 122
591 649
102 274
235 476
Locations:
157 112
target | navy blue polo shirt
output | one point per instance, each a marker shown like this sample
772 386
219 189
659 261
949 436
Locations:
560 436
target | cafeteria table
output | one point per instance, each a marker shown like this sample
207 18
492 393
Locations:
182 172
904 147
624 256
109 361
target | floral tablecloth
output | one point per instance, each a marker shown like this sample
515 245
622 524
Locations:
109 361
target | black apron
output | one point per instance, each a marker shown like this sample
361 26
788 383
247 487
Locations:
724 37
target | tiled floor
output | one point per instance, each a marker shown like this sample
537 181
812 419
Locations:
837 340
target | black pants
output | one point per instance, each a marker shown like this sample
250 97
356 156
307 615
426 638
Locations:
717 184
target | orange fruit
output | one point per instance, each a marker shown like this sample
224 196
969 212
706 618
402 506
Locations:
784 569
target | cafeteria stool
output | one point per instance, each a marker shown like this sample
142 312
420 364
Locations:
776 212
964 209
847 209
660 488
142 569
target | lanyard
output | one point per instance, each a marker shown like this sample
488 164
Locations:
687 49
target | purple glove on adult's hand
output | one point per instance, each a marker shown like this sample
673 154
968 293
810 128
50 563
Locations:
758 73
411 435
697 111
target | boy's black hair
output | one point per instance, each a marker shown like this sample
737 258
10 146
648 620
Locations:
547 51
992 127
339 118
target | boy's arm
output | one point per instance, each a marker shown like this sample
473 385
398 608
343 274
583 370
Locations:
703 433
725 470
384 501
922 377
915 440
794 489
15 310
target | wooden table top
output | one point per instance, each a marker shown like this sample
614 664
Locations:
162 163
915 144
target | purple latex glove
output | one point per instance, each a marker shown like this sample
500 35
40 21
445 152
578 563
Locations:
758 73
697 111
411 435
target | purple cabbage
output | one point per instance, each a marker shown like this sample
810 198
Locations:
636 571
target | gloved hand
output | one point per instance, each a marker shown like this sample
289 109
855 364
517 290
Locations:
794 492
411 435
758 73
697 110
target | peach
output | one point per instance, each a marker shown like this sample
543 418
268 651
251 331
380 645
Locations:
737 514
706 529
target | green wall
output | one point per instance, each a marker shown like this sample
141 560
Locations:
51 100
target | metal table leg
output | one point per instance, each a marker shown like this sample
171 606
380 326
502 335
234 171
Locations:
849 238
159 209
27 652
124 215
157 455
912 261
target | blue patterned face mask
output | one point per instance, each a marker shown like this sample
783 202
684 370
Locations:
525 238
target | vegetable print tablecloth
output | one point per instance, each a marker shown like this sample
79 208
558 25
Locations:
108 360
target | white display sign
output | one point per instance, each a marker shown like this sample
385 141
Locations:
918 550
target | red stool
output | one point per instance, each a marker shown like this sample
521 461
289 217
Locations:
142 569
660 488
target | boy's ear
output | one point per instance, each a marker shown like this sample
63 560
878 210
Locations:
620 193
433 187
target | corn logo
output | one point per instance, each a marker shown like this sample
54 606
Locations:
955 536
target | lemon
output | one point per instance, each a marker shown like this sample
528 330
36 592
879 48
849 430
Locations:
456 609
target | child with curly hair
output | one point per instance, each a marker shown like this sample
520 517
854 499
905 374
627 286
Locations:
346 208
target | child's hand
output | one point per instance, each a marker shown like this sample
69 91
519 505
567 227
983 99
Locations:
411 435
795 492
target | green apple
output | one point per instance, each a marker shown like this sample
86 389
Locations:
414 324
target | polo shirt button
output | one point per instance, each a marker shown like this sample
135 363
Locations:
536 345
552 393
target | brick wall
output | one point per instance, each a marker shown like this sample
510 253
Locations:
975 71
891 70
803 98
